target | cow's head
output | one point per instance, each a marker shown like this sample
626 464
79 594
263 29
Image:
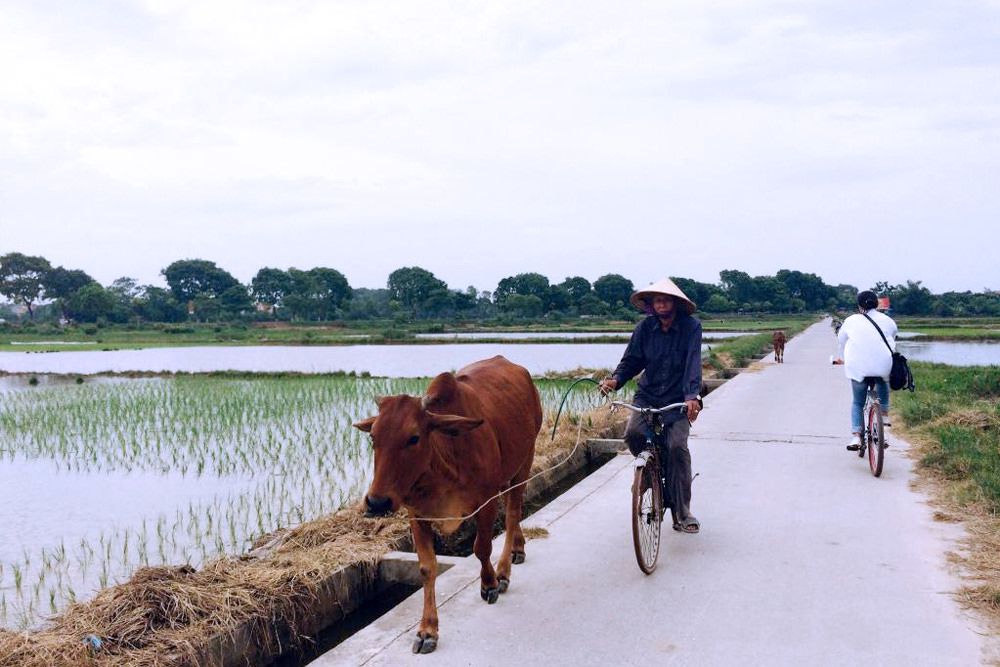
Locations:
406 437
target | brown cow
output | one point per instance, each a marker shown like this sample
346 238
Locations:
778 341
471 436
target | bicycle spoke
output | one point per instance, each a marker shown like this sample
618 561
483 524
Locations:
875 433
645 520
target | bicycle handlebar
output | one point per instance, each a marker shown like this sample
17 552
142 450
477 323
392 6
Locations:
650 411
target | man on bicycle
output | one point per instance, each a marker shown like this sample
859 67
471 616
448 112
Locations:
667 346
864 354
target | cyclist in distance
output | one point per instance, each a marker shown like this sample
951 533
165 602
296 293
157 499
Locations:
864 354
667 346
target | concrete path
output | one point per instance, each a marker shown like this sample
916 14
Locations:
804 558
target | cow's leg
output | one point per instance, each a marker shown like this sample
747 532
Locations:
489 587
513 544
423 541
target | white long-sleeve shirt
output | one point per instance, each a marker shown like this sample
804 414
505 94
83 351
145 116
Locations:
862 349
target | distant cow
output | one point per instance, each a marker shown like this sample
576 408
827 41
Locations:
471 436
778 341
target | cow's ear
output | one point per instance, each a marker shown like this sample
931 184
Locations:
452 424
365 424
440 390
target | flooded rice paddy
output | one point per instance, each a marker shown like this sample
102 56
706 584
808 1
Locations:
953 353
379 360
102 477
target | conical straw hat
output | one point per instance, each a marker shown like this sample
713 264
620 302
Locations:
665 286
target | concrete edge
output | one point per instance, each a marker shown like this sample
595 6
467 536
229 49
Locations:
403 619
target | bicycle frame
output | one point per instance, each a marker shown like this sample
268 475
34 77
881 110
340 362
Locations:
650 417
648 486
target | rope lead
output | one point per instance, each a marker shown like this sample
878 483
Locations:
563 402
579 431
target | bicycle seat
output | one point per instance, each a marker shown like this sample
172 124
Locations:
872 380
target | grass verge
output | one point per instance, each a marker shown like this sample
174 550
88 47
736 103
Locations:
738 352
953 420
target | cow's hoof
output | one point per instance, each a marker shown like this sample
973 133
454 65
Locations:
490 594
517 557
504 584
424 644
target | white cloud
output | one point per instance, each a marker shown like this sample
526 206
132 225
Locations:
484 140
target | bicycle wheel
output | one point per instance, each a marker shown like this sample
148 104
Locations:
876 440
647 513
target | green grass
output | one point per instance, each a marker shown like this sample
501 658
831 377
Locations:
90 337
958 410
979 328
744 349
740 350
761 323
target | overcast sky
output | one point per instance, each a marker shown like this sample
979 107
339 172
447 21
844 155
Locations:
856 140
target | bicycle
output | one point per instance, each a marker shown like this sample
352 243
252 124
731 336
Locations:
648 482
873 430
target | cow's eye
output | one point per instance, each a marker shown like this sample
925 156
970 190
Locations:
414 439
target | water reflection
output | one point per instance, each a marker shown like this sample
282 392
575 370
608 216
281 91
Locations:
380 360
953 353
394 360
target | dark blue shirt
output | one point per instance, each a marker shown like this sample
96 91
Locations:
671 360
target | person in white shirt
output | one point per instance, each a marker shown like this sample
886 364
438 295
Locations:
864 354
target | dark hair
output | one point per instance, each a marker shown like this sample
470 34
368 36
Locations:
867 299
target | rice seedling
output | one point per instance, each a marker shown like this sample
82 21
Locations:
262 453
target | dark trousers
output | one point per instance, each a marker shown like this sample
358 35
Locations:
676 458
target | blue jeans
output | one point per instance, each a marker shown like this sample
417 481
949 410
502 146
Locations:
860 392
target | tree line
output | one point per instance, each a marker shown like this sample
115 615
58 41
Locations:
200 290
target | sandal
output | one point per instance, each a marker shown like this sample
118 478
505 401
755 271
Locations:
689 525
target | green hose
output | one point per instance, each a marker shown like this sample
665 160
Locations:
565 396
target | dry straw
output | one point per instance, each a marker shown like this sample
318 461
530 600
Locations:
166 615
